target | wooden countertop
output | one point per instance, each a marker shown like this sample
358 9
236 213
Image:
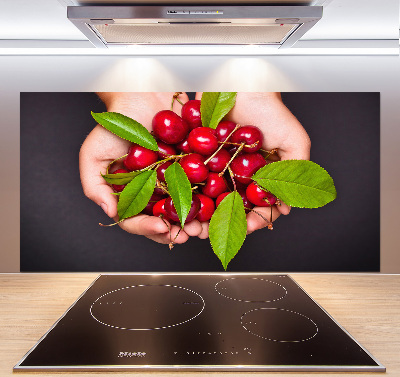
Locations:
366 305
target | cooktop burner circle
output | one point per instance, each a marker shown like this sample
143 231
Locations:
279 325
147 307
251 289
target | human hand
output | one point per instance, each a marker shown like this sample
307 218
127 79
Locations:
281 131
101 147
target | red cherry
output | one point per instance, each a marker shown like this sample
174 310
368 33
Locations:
224 129
207 208
245 165
260 197
221 197
161 170
171 212
148 210
219 161
159 191
232 149
238 185
119 188
165 150
191 113
169 127
139 157
242 192
120 171
203 141
215 185
159 209
183 147
246 202
249 135
193 165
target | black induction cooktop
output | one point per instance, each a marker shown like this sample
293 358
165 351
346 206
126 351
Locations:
244 322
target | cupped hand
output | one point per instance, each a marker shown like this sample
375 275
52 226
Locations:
101 147
281 131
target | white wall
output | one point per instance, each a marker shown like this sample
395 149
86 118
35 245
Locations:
274 73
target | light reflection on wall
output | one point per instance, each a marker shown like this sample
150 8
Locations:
192 74
136 74
248 74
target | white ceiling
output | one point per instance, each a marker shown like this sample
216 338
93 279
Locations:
342 19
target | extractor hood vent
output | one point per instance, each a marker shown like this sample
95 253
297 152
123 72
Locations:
115 26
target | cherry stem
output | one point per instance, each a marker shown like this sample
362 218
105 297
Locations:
232 177
269 223
267 201
112 223
119 158
170 157
221 146
247 145
177 234
233 157
169 228
180 102
171 243
161 186
175 97
269 153
179 157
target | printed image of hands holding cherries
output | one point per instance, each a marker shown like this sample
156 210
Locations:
200 165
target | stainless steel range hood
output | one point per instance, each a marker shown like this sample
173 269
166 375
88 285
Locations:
267 25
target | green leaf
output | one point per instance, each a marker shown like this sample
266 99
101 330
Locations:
299 183
214 106
180 190
126 128
120 178
228 228
136 194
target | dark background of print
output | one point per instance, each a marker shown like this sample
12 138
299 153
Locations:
59 225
